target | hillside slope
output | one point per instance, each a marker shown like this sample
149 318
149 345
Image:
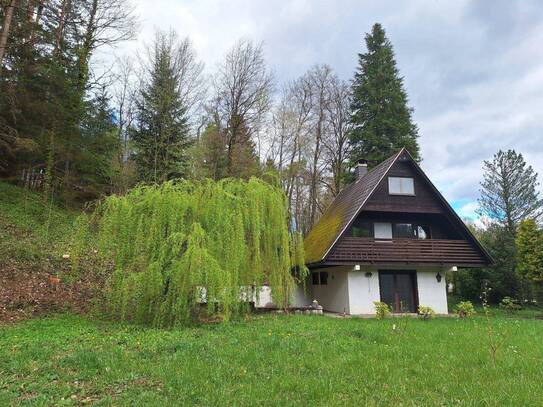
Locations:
33 237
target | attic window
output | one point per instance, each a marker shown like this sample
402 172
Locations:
401 186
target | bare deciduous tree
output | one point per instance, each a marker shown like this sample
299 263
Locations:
339 125
243 86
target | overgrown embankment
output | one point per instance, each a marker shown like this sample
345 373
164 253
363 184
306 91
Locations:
34 235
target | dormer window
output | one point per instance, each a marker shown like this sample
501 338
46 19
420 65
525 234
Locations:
401 186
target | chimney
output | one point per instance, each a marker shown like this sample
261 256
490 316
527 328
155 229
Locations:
361 169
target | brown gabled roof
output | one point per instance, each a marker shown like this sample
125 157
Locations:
350 201
322 237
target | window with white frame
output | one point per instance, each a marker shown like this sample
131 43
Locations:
401 186
382 230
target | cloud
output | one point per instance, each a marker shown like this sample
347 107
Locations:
473 70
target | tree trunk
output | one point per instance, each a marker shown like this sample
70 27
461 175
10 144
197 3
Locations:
59 35
87 45
34 7
5 29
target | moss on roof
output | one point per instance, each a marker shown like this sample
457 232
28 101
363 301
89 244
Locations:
340 212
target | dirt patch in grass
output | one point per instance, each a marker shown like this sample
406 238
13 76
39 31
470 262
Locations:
25 292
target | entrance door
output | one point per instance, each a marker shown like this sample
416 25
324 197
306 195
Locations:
399 290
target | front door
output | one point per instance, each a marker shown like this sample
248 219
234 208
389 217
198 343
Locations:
399 290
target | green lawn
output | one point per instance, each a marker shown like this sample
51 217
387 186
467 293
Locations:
285 360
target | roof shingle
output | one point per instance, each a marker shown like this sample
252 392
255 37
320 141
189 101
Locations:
341 211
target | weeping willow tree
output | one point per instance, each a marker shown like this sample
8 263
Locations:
183 248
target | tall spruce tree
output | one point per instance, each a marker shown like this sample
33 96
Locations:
161 137
381 119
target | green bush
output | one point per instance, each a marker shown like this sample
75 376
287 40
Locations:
426 313
509 304
382 310
464 309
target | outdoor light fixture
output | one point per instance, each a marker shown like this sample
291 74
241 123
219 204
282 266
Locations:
438 277
357 267
368 274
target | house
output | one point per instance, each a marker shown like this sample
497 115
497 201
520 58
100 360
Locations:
389 236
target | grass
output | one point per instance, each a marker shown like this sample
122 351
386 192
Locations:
31 229
271 360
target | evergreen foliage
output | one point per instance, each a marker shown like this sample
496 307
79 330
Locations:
162 135
181 245
502 277
508 190
381 119
49 101
530 250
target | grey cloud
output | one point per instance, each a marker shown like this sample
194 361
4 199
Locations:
473 69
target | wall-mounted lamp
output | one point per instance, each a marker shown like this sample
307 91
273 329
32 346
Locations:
368 274
438 277
357 267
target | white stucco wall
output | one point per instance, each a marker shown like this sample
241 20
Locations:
363 291
300 297
350 291
334 296
431 293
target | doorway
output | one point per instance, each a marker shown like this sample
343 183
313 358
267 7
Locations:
399 290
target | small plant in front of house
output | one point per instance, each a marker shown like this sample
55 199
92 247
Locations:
495 339
382 310
464 309
426 313
509 304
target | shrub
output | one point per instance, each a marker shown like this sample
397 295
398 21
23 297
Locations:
426 313
509 304
464 309
382 310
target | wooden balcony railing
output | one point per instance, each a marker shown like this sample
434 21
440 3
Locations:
405 251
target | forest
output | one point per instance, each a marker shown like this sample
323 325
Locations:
76 127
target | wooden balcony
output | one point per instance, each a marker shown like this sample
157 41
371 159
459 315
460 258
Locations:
405 251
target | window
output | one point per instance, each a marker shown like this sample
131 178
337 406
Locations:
362 229
324 278
315 278
319 278
382 230
423 232
403 231
410 231
401 186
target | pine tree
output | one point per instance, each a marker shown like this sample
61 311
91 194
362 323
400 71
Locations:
508 190
381 119
162 135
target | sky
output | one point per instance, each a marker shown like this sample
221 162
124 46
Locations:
473 70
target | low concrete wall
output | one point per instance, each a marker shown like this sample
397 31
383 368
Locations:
300 297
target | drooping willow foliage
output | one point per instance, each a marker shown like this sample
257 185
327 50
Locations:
180 248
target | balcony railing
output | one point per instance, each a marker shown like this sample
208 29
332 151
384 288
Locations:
405 251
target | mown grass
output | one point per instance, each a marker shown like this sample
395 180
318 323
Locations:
271 360
31 228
